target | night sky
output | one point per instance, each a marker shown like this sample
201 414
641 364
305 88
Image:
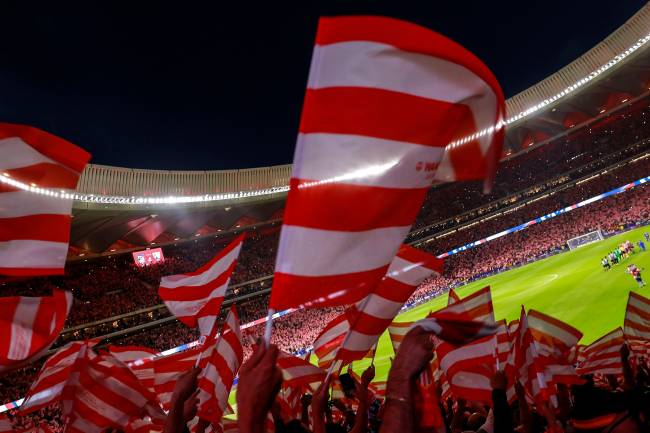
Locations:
196 85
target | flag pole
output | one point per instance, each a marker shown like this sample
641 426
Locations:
269 327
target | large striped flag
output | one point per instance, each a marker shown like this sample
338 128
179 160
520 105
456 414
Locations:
195 298
220 363
554 342
168 369
30 325
53 377
603 355
371 316
637 317
38 178
390 108
104 393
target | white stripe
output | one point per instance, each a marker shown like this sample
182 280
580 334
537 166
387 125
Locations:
299 371
360 342
338 252
467 305
206 323
218 268
18 154
22 328
469 380
32 254
190 308
22 203
382 66
565 337
130 355
361 160
381 307
228 354
407 272
466 353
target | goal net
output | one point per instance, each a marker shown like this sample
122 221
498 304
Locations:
585 239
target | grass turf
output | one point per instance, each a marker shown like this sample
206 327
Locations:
571 286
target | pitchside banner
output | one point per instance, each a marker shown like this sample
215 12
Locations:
148 257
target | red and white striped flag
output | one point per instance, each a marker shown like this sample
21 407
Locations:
397 331
452 297
53 377
370 317
378 388
139 360
554 340
30 325
637 317
38 178
297 372
104 393
168 369
524 364
330 339
220 363
468 368
603 356
195 298
388 107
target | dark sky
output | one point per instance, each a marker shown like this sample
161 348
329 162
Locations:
196 85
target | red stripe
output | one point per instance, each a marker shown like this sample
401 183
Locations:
405 36
354 207
370 325
420 257
42 227
394 290
231 246
49 145
382 114
289 290
45 175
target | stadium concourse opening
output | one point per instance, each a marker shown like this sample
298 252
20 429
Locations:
437 258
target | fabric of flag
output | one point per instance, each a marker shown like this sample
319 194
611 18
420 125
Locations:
330 339
30 325
298 372
554 340
603 356
502 343
370 317
53 377
467 369
139 425
524 363
220 364
139 360
103 393
387 110
168 369
452 297
195 298
378 388
38 178
397 331
637 317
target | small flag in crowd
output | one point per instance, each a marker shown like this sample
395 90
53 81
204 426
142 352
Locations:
195 298
30 325
38 178
386 112
603 356
220 363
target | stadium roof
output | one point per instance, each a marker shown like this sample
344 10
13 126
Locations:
122 208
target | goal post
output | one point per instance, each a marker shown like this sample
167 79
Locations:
585 239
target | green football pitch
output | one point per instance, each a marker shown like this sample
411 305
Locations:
570 286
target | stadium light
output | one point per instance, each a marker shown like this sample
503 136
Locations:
370 171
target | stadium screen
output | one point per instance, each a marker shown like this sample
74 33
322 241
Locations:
148 257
